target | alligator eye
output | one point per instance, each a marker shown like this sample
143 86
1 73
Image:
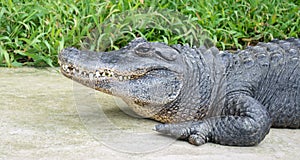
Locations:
143 49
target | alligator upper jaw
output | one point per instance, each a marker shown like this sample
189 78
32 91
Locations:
94 66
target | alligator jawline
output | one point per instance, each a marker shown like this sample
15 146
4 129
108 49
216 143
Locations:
100 74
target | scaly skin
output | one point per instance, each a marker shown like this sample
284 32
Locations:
202 95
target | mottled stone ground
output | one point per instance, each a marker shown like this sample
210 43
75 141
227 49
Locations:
46 116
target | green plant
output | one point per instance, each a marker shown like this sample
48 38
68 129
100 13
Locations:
32 33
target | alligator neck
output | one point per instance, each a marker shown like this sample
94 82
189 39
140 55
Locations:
193 102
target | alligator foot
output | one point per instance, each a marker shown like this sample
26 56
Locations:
194 132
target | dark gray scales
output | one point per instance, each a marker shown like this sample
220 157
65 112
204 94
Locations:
200 94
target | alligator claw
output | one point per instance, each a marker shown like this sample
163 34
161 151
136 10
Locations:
197 140
190 131
180 131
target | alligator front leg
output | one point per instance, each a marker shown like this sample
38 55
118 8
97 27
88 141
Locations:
246 122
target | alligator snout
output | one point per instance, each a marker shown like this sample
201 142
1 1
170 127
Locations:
68 55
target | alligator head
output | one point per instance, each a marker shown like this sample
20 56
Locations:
146 75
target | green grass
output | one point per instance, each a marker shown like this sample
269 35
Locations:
32 33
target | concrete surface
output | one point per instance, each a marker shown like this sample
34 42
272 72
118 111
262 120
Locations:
44 115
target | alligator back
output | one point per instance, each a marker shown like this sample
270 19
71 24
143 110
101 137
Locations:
270 73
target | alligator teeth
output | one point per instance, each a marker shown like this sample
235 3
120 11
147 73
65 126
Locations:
65 67
83 74
97 75
101 73
91 76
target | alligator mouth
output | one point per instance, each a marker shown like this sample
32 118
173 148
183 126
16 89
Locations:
73 71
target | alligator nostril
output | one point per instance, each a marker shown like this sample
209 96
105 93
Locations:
68 57
68 53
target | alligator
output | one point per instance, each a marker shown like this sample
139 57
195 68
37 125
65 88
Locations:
199 94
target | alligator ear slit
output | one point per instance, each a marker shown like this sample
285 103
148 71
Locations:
167 56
